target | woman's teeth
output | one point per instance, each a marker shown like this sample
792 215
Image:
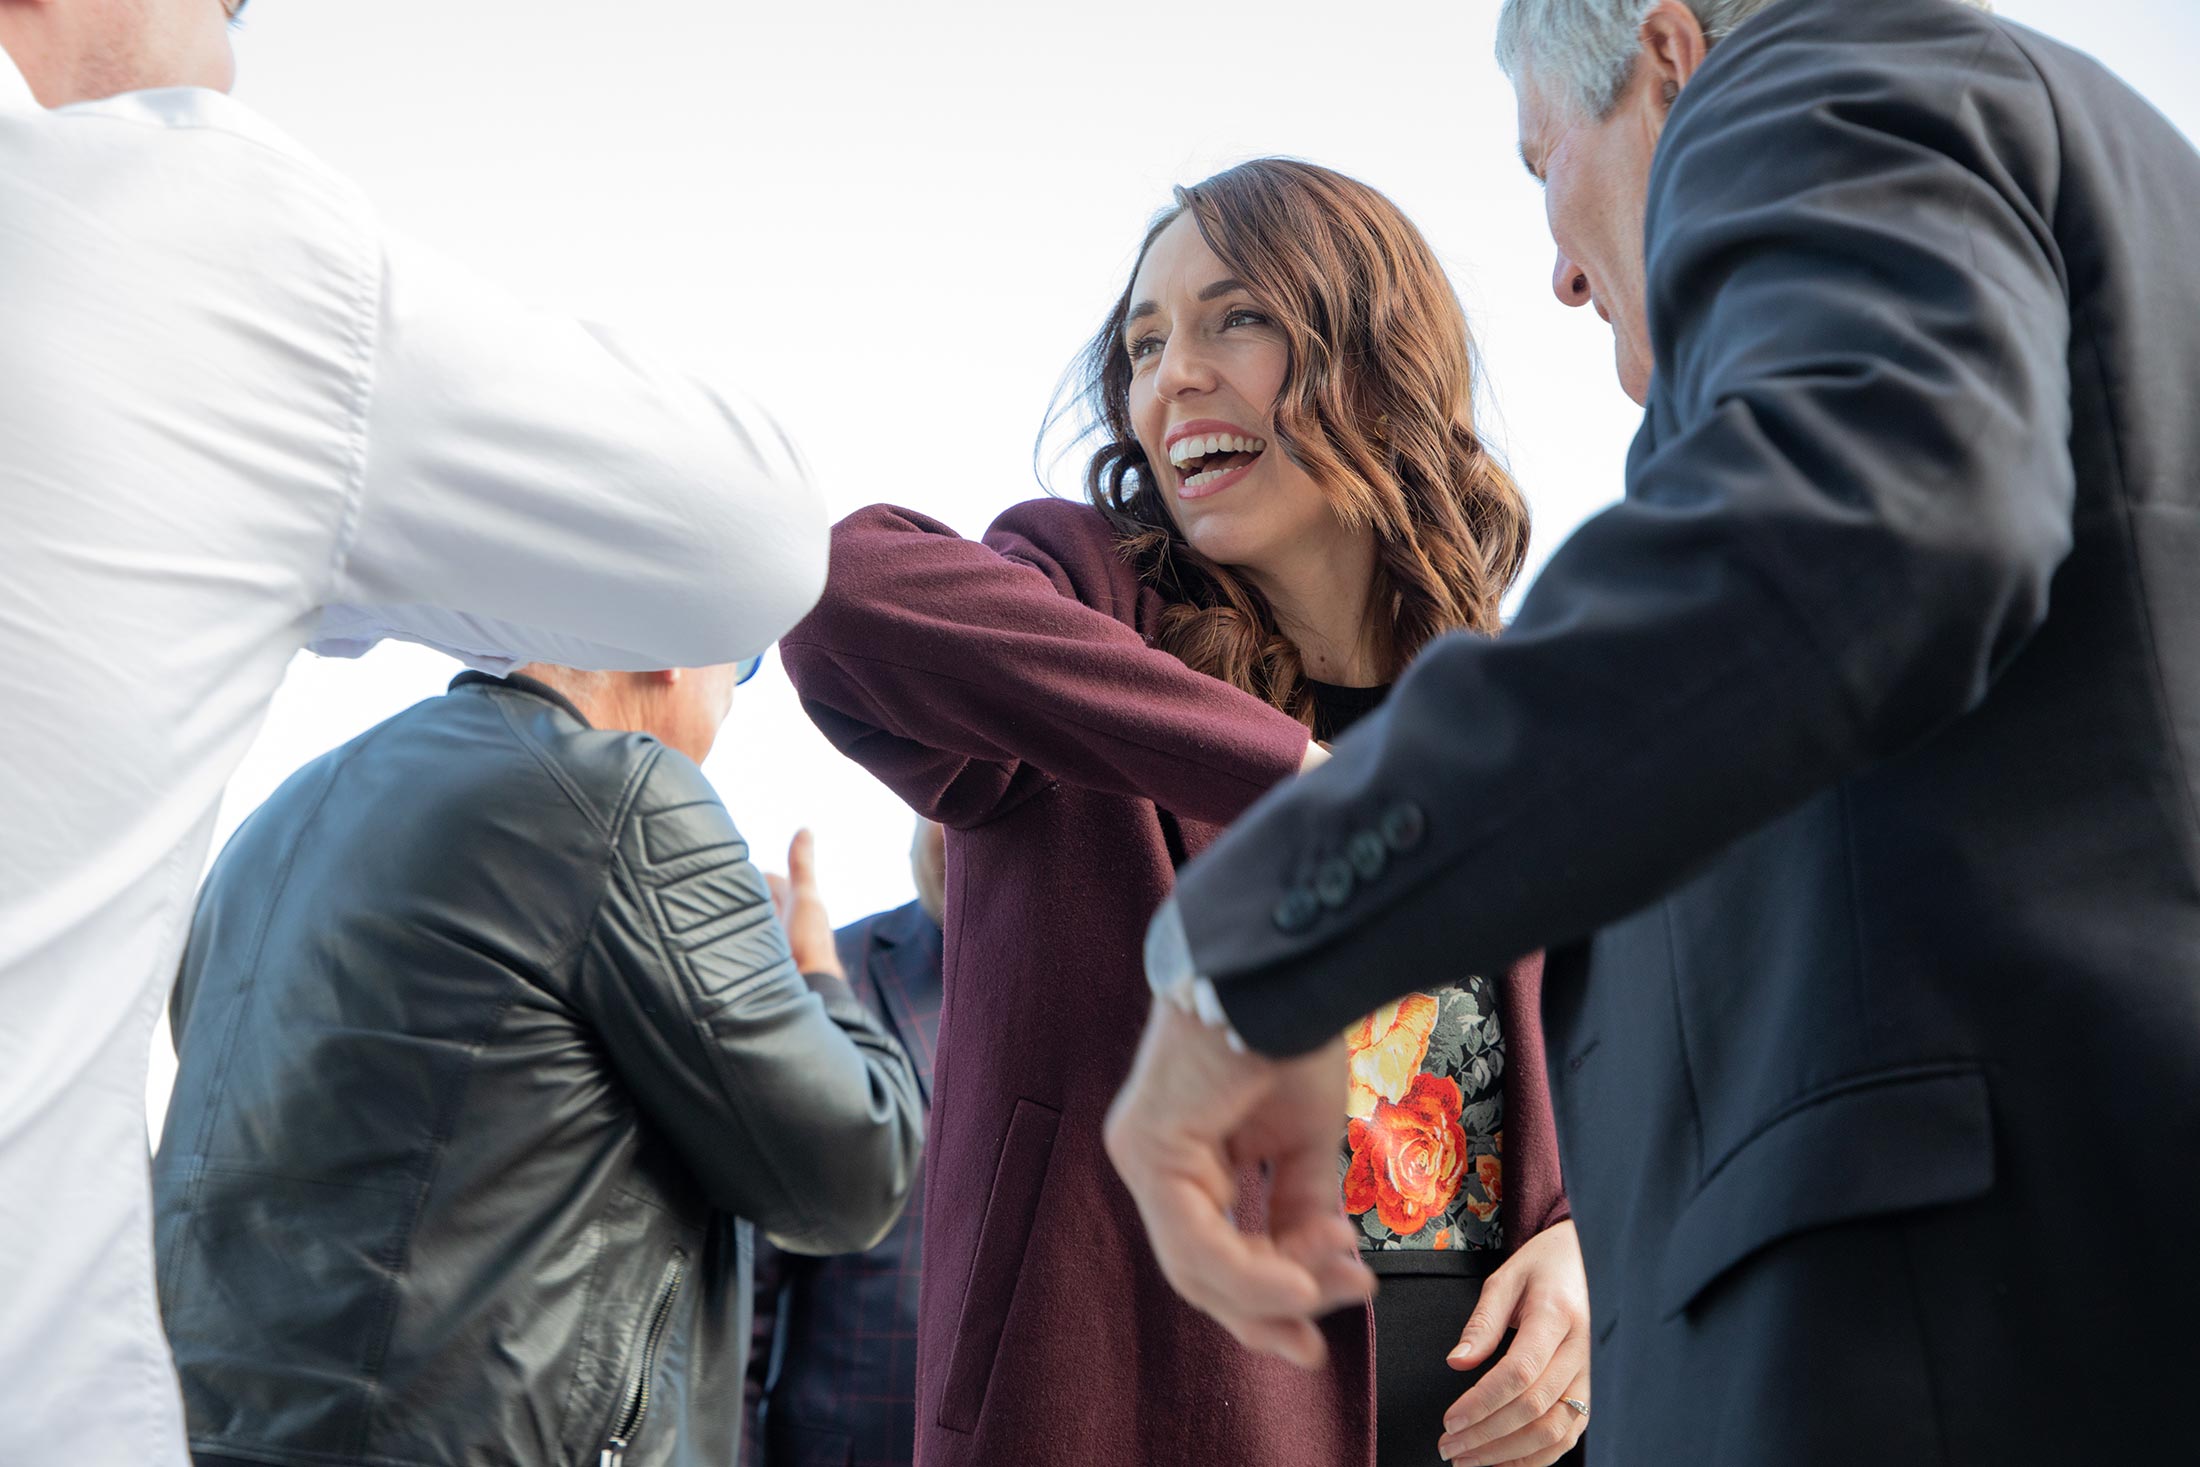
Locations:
1188 452
1184 450
1207 476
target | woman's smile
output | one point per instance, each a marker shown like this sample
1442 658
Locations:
1210 455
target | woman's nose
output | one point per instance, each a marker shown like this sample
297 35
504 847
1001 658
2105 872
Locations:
1184 372
1570 283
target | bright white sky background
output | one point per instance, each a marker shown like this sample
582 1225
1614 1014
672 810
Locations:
895 223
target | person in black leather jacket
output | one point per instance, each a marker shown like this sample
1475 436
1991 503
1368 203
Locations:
490 1052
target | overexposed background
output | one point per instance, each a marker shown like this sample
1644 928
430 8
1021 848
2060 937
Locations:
895 224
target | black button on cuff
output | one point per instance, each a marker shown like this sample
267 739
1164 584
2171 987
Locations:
1298 910
1333 882
1368 854
1403 825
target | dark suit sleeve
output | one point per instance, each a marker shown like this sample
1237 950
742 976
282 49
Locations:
966 675
789 1103
1842 518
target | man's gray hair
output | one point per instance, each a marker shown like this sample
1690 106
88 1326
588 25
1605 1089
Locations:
1588 47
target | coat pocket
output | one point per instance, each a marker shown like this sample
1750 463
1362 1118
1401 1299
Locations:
1890 1141
1019 1182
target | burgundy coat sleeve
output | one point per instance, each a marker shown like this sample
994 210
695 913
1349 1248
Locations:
968 675
1535 1189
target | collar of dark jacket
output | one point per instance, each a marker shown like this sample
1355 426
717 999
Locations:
890 929
520 682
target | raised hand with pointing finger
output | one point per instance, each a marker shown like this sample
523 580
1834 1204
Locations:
801 909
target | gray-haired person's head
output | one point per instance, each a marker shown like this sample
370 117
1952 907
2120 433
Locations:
1596 80
1585 50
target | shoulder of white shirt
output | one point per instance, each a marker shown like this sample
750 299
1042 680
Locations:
169 108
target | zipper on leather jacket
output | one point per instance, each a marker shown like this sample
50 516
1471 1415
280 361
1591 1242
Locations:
634 1401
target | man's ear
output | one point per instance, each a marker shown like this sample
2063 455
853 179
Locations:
1673 47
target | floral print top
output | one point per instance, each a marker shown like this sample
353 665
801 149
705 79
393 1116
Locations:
1423 1155
1423 1163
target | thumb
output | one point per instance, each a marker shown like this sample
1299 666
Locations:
1493 1315
802 863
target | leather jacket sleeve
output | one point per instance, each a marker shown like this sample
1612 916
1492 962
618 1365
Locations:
793 1108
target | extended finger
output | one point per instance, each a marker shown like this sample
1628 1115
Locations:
1309 1227
1569 1424
802 863
1542 1330
1492 1316
1297 1341
1534 1421
1338 1269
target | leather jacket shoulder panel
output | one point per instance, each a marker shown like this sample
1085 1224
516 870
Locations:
783 1095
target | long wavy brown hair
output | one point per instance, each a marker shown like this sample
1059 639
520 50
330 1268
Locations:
1377 406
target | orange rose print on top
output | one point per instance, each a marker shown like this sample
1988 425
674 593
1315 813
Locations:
1489 1173
1409 1158
1386 1049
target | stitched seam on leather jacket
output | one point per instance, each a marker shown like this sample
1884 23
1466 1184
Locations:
220 1078
676 958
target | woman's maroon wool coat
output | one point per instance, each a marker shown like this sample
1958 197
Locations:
1008 690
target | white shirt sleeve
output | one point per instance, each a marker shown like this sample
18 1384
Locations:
530 491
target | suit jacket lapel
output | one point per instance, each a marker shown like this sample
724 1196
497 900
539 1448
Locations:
894 941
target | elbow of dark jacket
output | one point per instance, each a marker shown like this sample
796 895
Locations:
1977 599
865 1182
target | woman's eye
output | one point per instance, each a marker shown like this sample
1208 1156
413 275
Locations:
1144 347
1244 316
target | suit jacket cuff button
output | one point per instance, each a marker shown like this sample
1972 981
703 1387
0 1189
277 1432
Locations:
1403 825
1297 911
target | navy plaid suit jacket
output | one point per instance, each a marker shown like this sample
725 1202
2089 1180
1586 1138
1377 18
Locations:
833 1369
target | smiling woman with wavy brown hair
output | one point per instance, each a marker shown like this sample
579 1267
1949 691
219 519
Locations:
1377 408
1288 501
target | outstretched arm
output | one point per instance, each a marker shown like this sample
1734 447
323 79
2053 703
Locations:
968 675
532 489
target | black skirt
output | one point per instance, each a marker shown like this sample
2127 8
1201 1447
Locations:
1420 1310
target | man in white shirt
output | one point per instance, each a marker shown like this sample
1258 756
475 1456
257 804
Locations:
238 419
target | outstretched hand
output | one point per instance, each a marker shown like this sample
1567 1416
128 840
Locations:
801 909
1194 1112
1518 1414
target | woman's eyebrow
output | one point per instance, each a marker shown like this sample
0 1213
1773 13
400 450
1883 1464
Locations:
1220 288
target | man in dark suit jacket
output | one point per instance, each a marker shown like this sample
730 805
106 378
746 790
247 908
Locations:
834 1370
1850 768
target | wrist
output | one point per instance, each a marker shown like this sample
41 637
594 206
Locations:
1174 978
827 983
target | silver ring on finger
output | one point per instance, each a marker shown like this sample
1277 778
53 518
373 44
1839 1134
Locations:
1581 1407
